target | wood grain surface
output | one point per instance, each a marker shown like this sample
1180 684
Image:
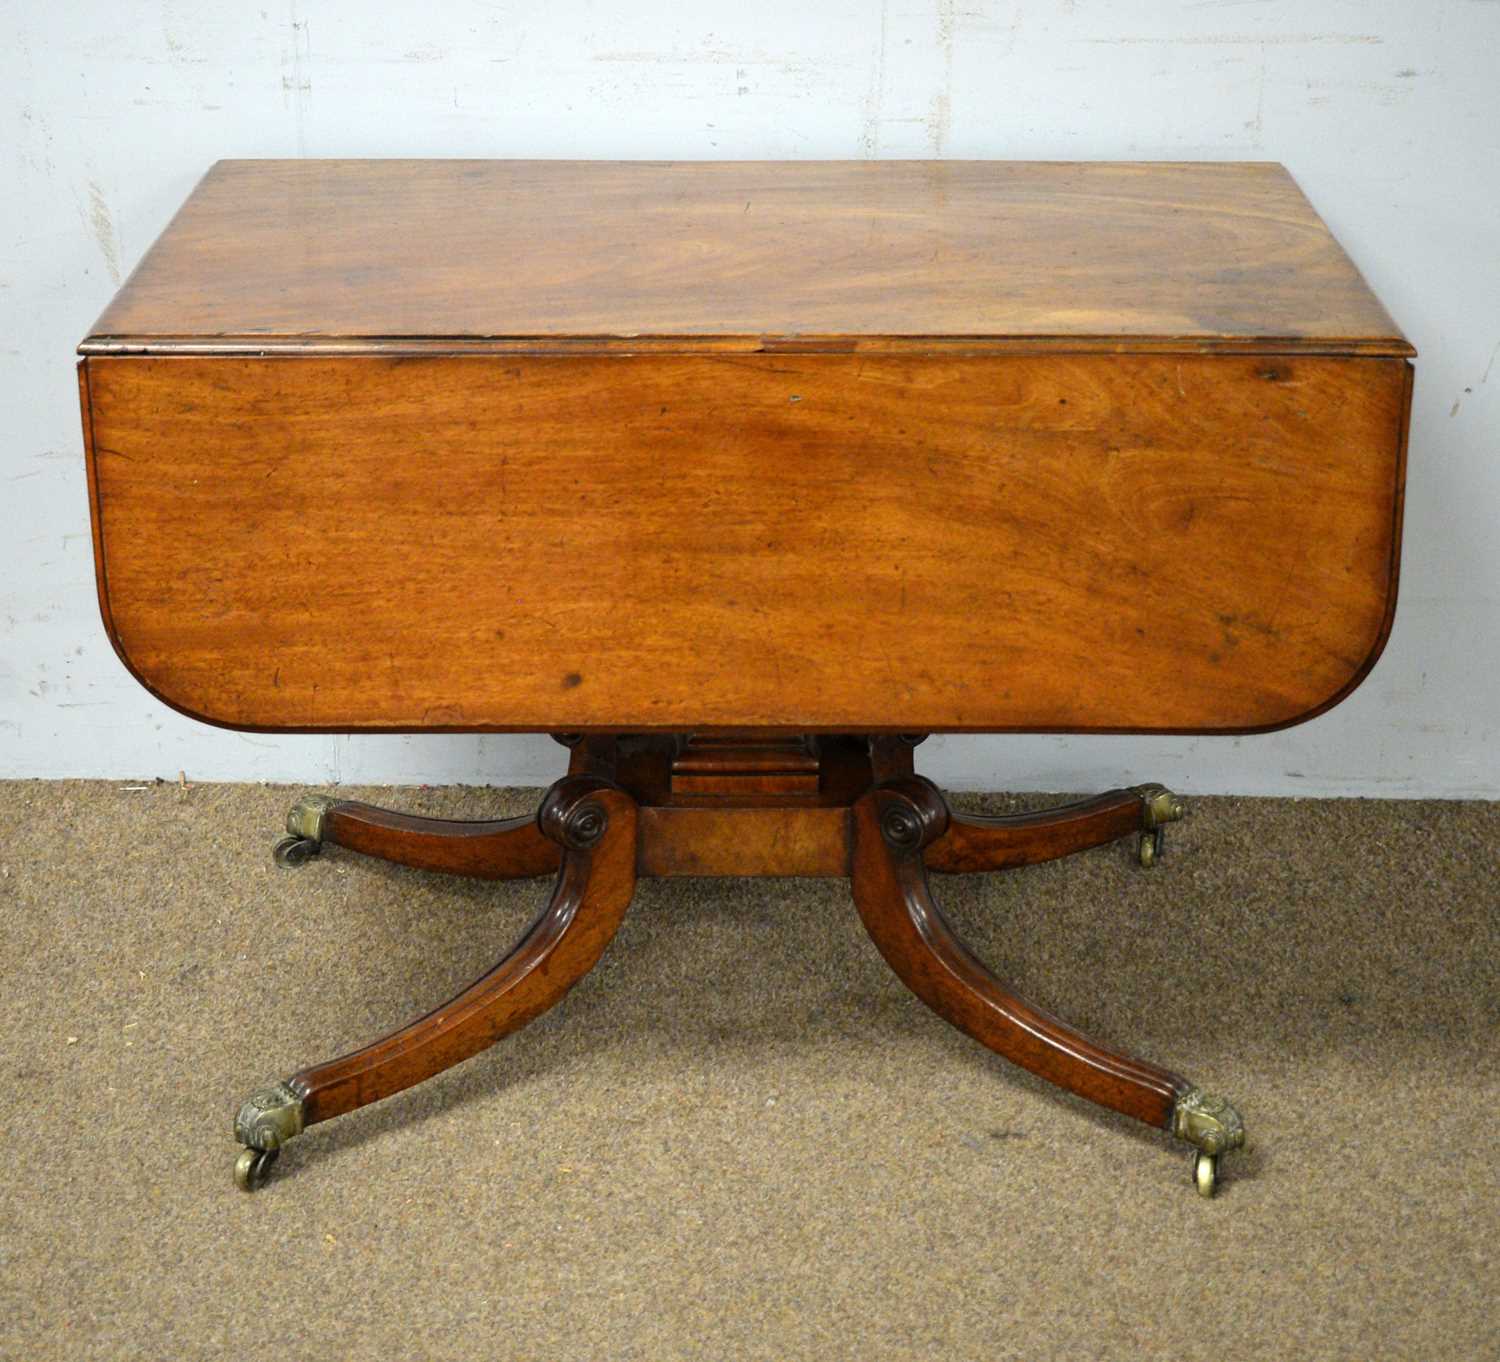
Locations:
738 840
594 887
882 254
503 849
796 543
895 904
976 842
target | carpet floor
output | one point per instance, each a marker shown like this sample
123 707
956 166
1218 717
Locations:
740 1137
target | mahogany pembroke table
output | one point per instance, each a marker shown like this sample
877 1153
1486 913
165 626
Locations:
738 479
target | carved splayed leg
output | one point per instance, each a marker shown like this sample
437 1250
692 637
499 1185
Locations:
978 842
749 803
892 826
593 824
494 849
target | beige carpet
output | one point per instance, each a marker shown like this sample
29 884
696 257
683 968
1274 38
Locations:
740 1137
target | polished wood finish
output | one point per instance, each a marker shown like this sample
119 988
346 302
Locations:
894 901
742 832
715 768
593 447
706 469
973 842
873 821
593 890
740 840
1138 542
888 254
506 849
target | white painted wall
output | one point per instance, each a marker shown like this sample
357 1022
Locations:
1387 112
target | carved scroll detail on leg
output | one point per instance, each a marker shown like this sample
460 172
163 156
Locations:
593 823
896 905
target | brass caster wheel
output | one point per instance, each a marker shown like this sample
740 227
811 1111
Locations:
1205 1173
1212 1125
305 824
253 1167
1159 806
291 852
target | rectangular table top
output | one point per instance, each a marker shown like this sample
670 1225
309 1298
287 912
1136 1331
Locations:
812 446
828 255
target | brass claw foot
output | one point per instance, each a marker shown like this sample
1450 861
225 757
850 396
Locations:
1214 1126
1159 806
270 1117
305 824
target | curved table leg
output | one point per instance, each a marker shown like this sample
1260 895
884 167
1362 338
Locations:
892 826
594 824
510 848
503 849
975 842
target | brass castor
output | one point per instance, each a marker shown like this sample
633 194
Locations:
1212 1125
269 1118
1159 806
1205 1173
291 852
305 824
253 1167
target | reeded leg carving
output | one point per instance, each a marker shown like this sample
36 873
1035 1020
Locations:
503 849
975 842
893 826
592 823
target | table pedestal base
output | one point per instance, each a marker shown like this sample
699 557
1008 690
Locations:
737 805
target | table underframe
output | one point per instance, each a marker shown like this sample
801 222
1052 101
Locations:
746 803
